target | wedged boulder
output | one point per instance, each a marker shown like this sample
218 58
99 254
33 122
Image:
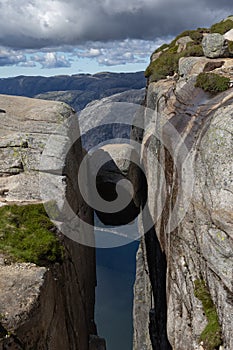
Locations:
115 163
109 118
215 45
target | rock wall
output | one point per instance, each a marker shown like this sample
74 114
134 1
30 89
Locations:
49 307
175 256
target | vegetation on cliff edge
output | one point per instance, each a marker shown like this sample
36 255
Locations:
222 27
211 335
212 82
167 63
26 234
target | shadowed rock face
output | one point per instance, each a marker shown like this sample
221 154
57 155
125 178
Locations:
200 247
41 307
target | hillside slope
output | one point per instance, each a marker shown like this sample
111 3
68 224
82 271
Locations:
76 90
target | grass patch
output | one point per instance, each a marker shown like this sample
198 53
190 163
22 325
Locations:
195 35
193 49
230 46
222 27
167 63
26 235
212 82
161 48
211 335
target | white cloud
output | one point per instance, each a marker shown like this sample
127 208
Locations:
11 57
51 60
118 52
94 52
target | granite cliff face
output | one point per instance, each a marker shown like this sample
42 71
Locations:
183 290
50 306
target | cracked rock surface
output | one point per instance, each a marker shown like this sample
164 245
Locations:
44 307
176 253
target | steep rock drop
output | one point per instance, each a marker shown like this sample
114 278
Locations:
183 290
50 306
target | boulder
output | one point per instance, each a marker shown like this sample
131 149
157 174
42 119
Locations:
182 43
191 65
215 45
195 65
116 163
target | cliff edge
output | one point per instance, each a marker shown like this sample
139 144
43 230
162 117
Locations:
47 280
183 289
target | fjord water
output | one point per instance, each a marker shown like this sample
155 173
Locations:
116 268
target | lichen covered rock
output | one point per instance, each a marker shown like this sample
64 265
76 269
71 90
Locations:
215 46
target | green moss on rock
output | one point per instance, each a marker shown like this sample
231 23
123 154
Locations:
196 36
181 35
222 27
211 335
161 48
167 63
193 49
212 82
26 234
230 46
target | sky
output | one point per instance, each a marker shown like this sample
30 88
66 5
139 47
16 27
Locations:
54 37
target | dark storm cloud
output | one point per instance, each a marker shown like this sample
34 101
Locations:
38 23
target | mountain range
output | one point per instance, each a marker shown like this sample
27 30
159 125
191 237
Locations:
77 90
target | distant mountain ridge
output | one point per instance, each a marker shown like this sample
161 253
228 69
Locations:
77 90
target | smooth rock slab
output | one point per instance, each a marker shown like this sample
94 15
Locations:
229 35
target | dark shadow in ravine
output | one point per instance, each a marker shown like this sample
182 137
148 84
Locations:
157 265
